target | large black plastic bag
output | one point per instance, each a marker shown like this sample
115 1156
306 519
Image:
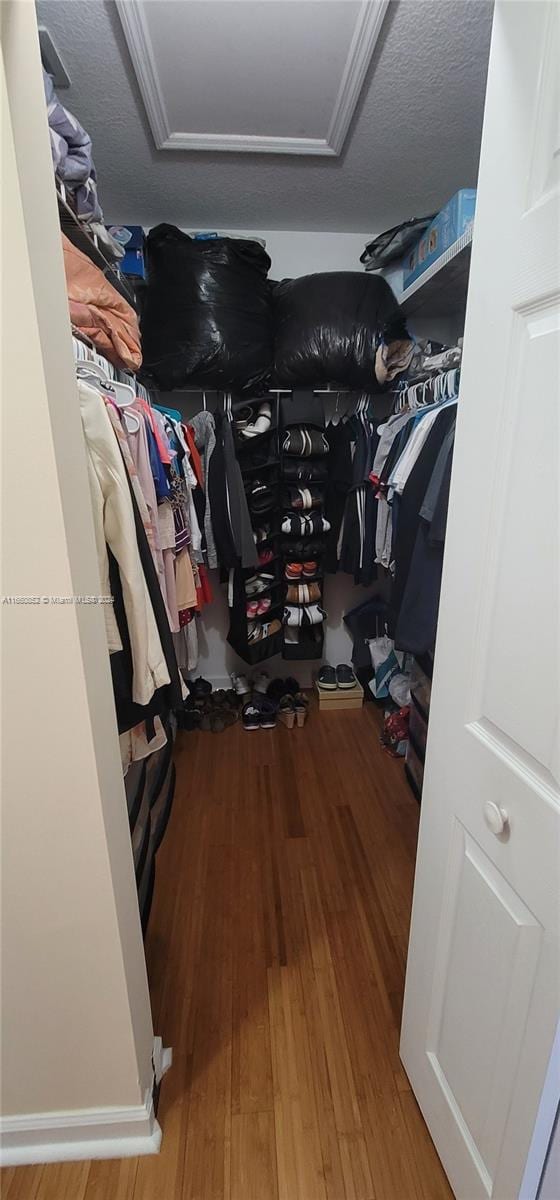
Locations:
327 328
207 313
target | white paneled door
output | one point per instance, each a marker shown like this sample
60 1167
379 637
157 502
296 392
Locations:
482 986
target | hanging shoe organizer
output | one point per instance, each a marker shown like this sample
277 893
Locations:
256 596
303 473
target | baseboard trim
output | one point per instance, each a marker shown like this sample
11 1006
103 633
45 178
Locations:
79 1134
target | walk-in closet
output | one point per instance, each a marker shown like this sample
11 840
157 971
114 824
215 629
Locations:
281 826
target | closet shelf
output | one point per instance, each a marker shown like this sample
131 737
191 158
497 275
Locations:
78 234
442 288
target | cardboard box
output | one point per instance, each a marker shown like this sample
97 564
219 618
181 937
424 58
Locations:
329 701
455 219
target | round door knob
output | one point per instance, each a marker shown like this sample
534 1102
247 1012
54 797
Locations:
496 818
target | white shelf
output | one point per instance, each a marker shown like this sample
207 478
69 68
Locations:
442 288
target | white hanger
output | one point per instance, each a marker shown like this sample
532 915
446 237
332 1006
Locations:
131 420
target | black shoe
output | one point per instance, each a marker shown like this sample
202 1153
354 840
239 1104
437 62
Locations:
199 687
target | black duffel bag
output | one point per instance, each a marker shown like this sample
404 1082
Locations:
207 313
328 326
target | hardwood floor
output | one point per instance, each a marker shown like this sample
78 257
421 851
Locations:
276 950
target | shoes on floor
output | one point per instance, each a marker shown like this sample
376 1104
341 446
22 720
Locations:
326 679
293 709
282 687
331 678
240 684
261 682
199 687
345 677
259 713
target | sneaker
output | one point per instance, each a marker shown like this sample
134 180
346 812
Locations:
258 583
251 716
240 684
326 679
261 682
259 631
262 607
252 608
293 570
262 423
309 569
345 677
268 714
199 687
265 557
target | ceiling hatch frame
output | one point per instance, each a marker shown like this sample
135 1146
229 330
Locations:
364 39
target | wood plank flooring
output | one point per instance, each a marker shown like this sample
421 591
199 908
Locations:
276 952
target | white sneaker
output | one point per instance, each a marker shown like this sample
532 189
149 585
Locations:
240 684
261 682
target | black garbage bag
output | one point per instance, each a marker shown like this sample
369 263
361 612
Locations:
207 313
328 326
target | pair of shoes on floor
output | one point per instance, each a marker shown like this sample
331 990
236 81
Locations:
257 608
298 570
282 687
259 713
218 711
293 710
331 678
243 686
199 687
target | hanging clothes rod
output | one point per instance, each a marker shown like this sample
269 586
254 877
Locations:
280 391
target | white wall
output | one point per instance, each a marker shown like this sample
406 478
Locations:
76 1025
296 253
292 254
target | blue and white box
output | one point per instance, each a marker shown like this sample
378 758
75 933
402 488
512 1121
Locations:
454 219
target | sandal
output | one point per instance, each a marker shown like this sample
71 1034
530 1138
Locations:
301 706
287 712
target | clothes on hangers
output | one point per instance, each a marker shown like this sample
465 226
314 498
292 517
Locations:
409 506
149 548
416 622
115 526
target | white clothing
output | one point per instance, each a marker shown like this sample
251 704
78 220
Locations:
113 517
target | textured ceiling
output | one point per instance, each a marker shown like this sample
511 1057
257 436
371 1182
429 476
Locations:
413 141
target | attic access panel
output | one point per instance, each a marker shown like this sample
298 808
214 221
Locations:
261 76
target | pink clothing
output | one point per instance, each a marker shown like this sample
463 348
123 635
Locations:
163 450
